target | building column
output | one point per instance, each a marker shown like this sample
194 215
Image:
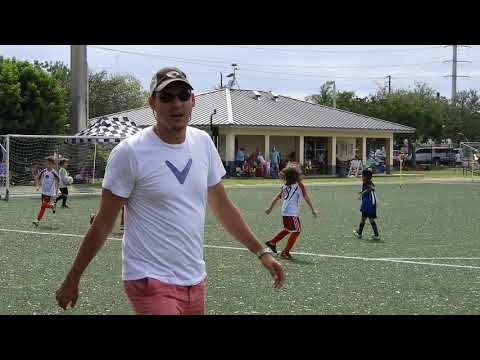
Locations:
332 155
230 153
388 155
301 149
364 150
267 147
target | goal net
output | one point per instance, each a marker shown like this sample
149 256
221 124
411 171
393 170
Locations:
23 156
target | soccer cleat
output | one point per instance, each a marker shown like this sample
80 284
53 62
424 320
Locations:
357 234
271 246
35 222
64 206
121 228
376 237
286 256
54 208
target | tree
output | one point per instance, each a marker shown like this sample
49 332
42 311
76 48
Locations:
464 117
107 93
110 94
61 73
324 97
418 108
31 100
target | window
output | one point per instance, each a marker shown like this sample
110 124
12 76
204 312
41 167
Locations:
345 151
424 151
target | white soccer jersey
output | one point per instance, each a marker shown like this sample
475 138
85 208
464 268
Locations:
47 177
166 186
292 196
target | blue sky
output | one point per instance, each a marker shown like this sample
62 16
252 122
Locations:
295 71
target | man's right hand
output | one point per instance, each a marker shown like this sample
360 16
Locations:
67 293
275 269
268 211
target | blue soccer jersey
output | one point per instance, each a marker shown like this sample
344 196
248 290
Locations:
369 199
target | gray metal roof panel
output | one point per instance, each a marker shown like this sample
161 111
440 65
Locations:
265 112
289 112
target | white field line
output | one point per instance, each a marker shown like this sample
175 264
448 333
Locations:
395 260
434 258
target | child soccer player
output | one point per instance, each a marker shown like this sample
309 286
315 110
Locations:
291 193
63 174
48 179
369 204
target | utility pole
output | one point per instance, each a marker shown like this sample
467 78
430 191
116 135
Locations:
454 71
79 71
389 83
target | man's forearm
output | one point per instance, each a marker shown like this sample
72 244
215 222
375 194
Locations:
91 244
233 222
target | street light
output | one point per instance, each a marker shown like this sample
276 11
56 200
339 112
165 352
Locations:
334 93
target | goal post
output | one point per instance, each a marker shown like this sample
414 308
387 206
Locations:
23 156
4 162
470 158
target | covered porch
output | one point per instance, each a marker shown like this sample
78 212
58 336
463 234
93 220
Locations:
319 152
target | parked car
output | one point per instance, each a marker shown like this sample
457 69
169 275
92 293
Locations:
435 155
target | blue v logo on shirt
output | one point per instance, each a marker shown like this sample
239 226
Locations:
181 176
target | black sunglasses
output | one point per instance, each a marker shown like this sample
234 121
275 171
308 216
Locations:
166 97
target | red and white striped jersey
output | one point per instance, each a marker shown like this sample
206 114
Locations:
292 196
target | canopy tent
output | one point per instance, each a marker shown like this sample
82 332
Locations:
108 130
105 130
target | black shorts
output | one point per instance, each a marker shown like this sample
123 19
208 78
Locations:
64 191
370 215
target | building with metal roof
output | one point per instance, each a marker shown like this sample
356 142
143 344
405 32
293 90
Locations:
299 130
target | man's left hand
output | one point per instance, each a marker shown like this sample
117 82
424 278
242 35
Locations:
275 269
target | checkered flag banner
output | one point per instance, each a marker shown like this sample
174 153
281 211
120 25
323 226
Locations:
107 130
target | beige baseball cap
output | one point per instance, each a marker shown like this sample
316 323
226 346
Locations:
166 76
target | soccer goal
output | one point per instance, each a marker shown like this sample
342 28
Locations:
470 155
23 156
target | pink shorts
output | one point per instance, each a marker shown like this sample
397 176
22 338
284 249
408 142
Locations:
150 296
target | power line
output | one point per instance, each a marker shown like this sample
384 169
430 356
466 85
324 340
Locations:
336 51
265 65
313 76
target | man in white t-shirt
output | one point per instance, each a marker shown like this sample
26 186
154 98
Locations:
164 176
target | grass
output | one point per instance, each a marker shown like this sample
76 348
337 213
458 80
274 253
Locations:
337 274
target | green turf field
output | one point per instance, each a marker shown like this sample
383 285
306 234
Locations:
428 261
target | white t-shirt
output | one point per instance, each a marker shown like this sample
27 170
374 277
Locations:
63 177
166 186
292 196
47 177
